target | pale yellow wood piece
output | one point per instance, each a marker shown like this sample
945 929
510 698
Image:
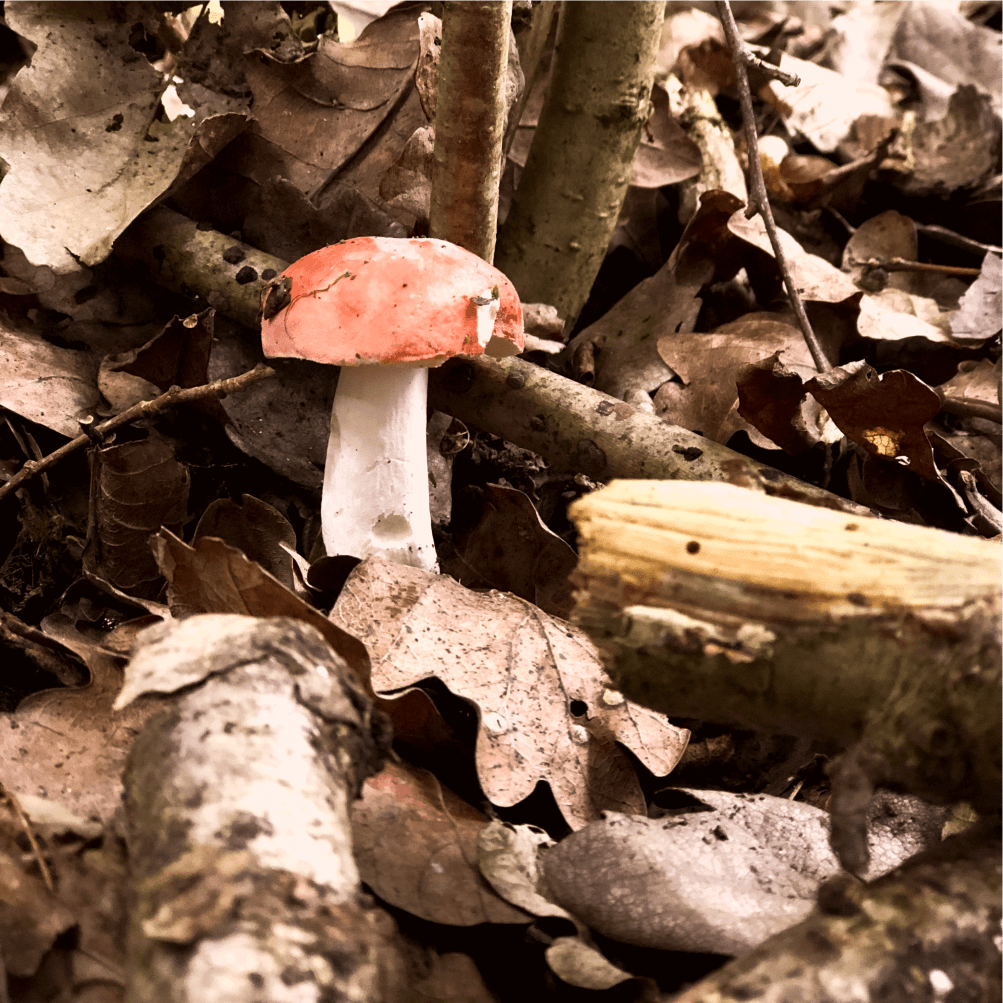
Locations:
641 529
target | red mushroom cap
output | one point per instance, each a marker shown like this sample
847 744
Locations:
387 299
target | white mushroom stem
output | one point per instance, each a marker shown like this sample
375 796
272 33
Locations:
375 496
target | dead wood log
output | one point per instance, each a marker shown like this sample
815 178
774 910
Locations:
710 602
929 930
236 810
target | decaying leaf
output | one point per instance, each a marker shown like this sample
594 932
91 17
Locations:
33 918
617 354
580 964
177 356
926 928
887 235
975 380
547 710
135 489
955 151
709 366
940 48
513 550
254 527
648 882
824 106
68 744
894 315
283 421
407 183
314 113
508 857
449 976
719 881
284 222
212 577
415 843
813 276
819 281
978 316
45 384
772 398
80 131
666 155
884 414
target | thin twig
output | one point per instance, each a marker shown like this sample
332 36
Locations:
766 68
115 970
946 236
29 832
905 265
758 201
841 219
972 407
144 409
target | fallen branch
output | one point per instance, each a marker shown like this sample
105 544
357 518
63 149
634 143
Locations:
730 607
572 426
930 924
579 429
236 816
94 434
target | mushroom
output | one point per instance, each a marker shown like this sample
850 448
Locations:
385 309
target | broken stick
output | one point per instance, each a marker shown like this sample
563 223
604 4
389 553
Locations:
725 605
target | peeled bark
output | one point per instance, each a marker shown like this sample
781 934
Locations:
236 808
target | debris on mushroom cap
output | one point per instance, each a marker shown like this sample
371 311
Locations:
389 299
